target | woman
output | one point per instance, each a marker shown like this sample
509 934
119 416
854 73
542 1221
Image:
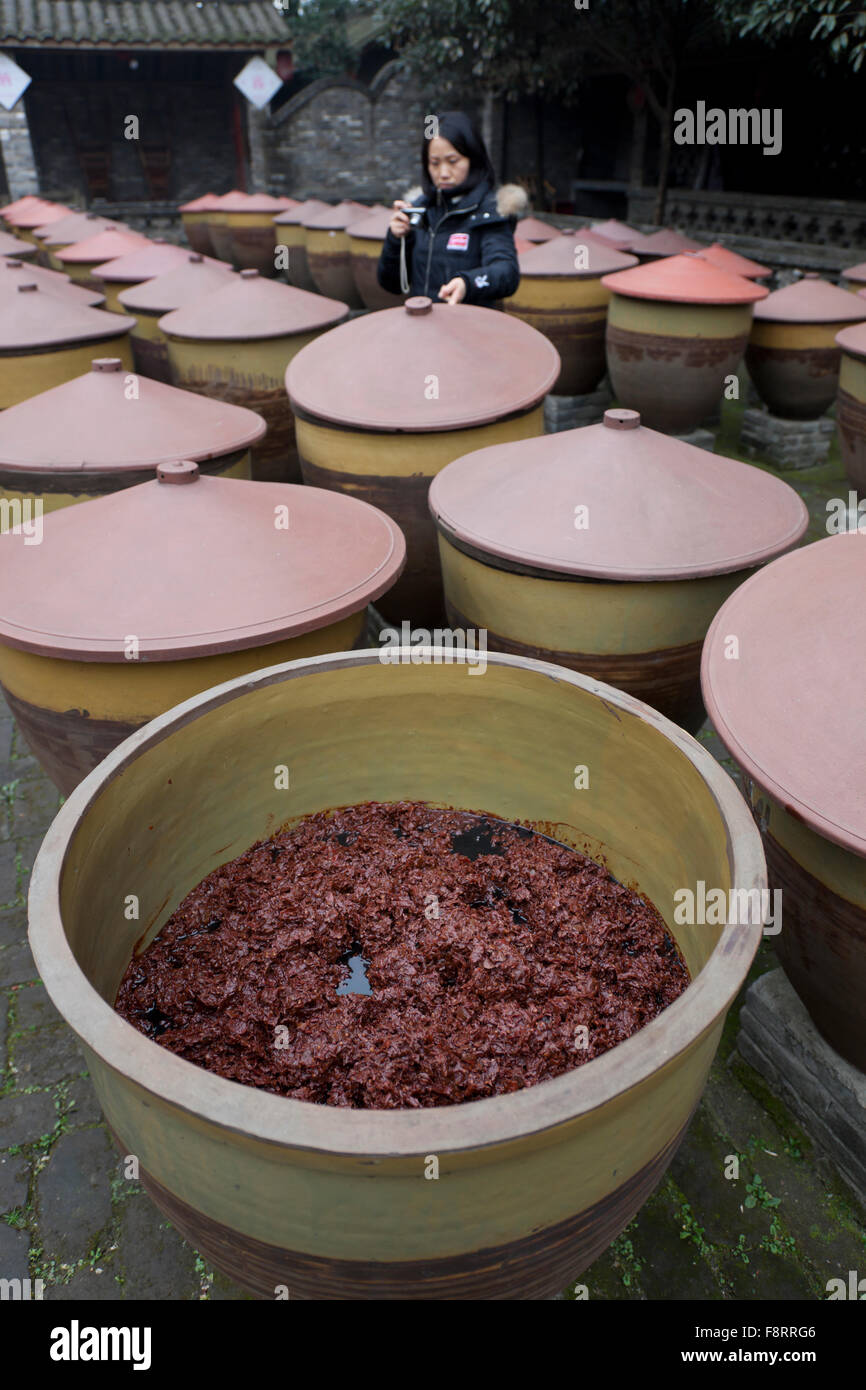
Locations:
456 245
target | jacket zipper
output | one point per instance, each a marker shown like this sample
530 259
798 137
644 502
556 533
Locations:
432 234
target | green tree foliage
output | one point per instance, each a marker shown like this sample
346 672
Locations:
320 45
838 24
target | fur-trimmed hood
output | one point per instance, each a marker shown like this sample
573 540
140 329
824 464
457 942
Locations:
511 199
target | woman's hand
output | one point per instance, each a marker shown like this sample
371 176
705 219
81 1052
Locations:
400 222
455 291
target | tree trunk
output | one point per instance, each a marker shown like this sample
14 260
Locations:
665 144
539 152
638 148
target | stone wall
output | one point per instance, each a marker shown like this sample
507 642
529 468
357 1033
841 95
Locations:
16 152
340 139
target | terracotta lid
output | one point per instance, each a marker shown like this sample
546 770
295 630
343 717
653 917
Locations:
790 707
235 201
657 508
617 233
811 300
228 577
686 279
19 203
521 246
558 257
296 217
856 272
533 229
853 340
36 318
731 261
664 242
14 246
145 263
37 215
194 277
288 203
374 372
373 227
75 227
89 425
256 202
200 204
336 219
106 245
14 273
252 307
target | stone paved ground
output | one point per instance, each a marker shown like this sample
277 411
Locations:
779 1231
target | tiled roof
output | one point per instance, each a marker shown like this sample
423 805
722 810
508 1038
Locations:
159 24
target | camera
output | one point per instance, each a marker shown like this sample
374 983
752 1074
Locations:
415 216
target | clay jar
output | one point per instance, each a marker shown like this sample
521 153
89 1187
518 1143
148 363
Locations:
24 220
733 262
792 356
607 549
676 328
657 245
56 236
194 278
619 235
108 430
854 278
82 258
290 232
328 256
85 661
851 403
135 267
541 1180
217 223
45 340
789 710
14 273
15 247
534 230
236 344
365 247
384 402
193 216
251 233
562 295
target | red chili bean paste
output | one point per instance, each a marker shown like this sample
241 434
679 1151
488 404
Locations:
387 956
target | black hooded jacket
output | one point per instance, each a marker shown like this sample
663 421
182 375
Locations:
469 234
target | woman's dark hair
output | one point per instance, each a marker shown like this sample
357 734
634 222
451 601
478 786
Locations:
456 127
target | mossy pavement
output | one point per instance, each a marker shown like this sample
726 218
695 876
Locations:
748 1210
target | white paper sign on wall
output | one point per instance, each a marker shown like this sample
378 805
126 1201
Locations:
13 81
258 82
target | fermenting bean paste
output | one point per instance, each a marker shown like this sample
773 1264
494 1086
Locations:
401 955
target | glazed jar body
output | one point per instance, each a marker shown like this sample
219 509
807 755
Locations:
364 257
297 272
822 944
394 472
26 374
73 713
66 488
331 1202
572 313
670 361
251 241
795 367
851 419
644 638
196 225
249 373
330 265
